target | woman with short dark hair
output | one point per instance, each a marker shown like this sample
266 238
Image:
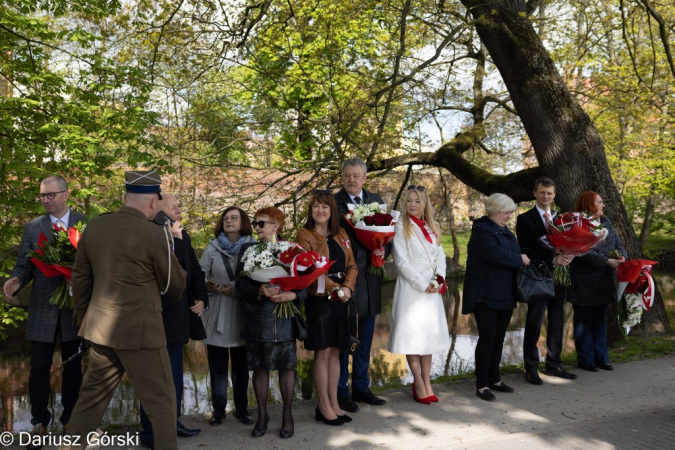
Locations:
221 320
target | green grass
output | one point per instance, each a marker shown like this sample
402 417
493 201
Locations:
660 242
462 239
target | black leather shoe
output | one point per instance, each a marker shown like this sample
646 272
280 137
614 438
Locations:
486 395
260 432
186 432
345 418
605 366
147 443
533 377
243 417
217 417
501 387
368 397
347 404
560 373
286 434
589 367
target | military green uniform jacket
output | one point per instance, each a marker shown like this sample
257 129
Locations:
121 267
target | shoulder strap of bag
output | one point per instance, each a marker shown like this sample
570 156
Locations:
228 267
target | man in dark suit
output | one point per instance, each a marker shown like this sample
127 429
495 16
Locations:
45 321
367 298
124 263
178 325
530 226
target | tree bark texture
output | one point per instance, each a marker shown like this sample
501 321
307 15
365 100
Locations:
567 145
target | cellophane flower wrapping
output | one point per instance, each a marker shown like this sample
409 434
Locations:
374 228
635 291
286 264
572 234
55 258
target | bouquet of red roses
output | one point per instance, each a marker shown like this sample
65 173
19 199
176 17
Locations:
572 234
374 229
635 291
56 258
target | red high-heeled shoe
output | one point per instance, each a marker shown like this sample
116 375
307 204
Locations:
433 398
426 400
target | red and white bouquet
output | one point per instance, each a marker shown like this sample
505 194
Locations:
374 229
438 281
287 265
635 291
56 258
572 234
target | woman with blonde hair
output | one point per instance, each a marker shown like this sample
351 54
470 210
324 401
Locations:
418 324
493 257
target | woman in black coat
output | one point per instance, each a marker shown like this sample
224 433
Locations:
493 257
593 289
270 340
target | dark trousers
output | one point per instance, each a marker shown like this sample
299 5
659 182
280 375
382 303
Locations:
492 324
176 361
361 362
590 334
38 380
218 365
554 330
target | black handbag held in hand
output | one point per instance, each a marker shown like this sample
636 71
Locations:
301 329
534 283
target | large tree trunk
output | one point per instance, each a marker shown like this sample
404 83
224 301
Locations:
566 143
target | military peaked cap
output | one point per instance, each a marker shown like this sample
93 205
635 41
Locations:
143 182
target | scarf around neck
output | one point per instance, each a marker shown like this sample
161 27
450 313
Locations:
420 223
231 248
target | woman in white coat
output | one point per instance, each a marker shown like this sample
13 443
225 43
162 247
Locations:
418 324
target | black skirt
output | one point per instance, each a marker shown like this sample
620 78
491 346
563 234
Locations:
329 322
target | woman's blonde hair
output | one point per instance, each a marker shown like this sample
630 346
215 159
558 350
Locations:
498 203
427 215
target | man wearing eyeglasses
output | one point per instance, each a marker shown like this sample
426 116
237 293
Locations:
367 296
45 321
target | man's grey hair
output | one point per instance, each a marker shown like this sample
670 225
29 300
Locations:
355 161
58 179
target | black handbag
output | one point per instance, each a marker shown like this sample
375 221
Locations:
534 283
301 329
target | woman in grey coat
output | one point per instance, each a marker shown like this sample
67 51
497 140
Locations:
593 289
222 319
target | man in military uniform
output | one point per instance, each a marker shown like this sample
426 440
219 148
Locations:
367 292
181 316
45 321
124 263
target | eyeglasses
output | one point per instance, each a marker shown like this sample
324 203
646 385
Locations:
261 223
230 218
414 187
50 195
321 191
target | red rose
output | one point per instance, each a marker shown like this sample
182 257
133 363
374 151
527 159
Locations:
369 220
440 280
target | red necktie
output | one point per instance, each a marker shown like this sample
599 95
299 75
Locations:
547 216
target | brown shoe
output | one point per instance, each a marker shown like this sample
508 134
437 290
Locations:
36 436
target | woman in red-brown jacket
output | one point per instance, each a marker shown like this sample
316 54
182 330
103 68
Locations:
328 315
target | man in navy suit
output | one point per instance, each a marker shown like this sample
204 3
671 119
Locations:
367 298
45 321
530 226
